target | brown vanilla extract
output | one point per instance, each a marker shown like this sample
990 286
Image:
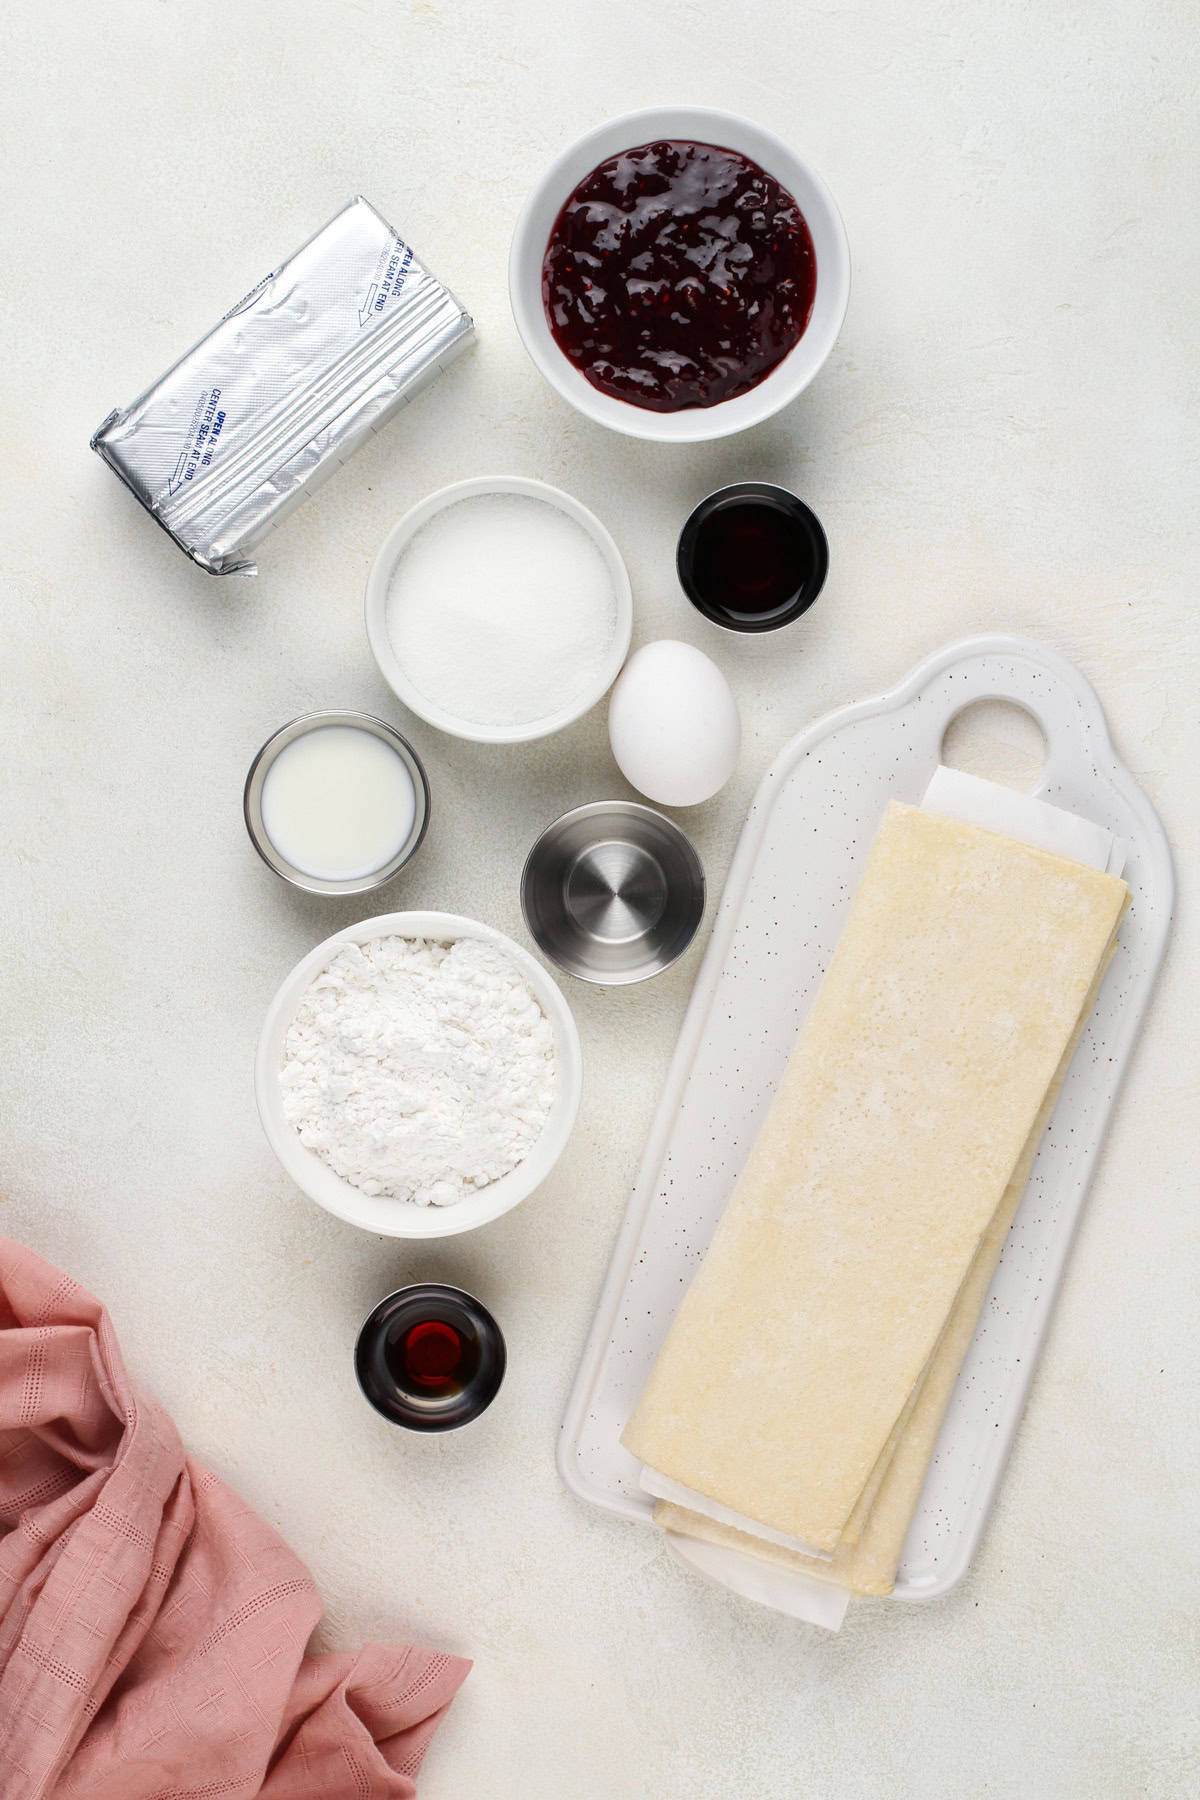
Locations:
678 275
434 1358
752 557
748 559
430 1357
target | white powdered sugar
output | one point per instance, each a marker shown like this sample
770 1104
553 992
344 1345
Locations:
420 1070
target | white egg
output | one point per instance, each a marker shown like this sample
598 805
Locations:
673 724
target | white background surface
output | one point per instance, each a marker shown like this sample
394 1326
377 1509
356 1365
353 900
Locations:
1004 438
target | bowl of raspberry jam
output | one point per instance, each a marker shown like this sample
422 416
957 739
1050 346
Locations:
430 1357
679 274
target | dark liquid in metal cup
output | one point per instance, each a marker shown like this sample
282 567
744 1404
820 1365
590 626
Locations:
752 557
433 1358
430 1358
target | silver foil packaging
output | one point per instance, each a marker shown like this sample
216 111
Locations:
287 387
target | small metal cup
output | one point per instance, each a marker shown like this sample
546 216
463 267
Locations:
380 1362
613 892
252 802
801 553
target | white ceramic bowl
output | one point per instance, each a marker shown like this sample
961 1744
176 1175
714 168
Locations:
701 125
400 1218
392 669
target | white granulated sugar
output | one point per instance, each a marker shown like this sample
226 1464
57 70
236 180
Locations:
502 610
419 1070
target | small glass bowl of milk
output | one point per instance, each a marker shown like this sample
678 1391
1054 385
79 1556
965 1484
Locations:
336 802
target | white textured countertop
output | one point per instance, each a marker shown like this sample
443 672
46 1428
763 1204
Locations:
1004 438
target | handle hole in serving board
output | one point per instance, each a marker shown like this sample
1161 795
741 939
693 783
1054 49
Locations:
998 740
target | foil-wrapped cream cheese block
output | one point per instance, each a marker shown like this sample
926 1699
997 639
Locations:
287 387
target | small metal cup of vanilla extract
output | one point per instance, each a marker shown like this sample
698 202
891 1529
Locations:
752 557
430 1357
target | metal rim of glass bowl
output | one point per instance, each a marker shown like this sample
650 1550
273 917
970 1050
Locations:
252 802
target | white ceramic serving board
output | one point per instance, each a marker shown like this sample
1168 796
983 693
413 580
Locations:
793 874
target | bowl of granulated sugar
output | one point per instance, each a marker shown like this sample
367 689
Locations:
499 609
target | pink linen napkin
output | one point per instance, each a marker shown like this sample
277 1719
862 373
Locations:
152 1628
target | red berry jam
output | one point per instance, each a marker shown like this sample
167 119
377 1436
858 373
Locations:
678 275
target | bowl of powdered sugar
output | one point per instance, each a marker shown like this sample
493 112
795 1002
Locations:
418 1074
499 609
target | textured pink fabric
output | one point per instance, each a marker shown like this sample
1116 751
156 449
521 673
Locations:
152 1628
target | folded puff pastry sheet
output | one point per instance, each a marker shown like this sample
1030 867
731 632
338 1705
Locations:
918 1079
868 1553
